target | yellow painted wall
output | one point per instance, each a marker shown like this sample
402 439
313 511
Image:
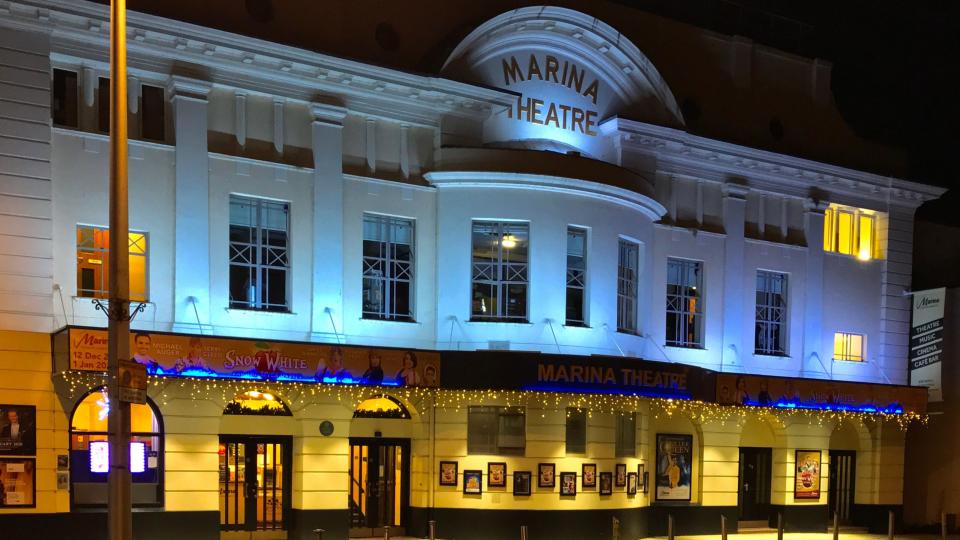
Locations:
25 380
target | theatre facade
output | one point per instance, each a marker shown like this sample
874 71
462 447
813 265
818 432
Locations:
518 291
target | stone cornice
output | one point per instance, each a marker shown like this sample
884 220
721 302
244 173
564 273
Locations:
80 30
186 87
679 152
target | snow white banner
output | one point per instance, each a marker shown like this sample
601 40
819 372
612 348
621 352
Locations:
674 467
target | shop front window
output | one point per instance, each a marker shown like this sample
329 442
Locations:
90 454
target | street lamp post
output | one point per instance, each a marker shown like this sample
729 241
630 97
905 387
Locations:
120 523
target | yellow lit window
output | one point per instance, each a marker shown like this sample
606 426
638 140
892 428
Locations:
93 257
850 231
848 347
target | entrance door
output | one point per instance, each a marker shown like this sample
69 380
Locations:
843 474
379 480
255 484
755 469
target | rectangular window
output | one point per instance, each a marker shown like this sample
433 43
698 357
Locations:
771 321
496 430
103 105
684 303
628 264
848 347
151 113
850 231
626 434
387 268
500 271
65 98
259 254
576 431
93 258
576 276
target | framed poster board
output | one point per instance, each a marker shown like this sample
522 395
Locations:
568 484
621 475
448 473
807 475
606 483
546 475
674 467
18 482
18 430
521 483
496 474
589 474
472 482
631 483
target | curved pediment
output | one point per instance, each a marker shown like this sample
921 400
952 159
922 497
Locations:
570 72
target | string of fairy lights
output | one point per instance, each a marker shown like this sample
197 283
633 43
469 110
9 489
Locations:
299 395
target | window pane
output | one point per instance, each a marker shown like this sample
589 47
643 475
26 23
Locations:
865 247
65 98
828 233
482 430
93 259
626 435
499 270
103 105
845 233
684 306
388 268
151 113
576 431
259 254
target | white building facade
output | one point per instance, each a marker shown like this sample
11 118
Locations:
540 194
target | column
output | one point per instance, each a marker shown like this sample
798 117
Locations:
191 293
734 214
328 299
815 358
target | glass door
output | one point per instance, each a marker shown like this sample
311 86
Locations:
379 474
843 474
254 483
754 492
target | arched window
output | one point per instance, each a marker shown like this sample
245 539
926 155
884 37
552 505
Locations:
89 451
257 403
381 407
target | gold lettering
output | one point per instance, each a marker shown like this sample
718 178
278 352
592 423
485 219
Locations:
512 71
545 373
533 68
591 121
610 378
576 373
552 116
535 108
577 119
562 374
592 91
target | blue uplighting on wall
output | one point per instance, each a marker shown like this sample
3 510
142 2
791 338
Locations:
200 373
890 409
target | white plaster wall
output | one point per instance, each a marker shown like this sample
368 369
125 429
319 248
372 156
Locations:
851 303
80 165
548 215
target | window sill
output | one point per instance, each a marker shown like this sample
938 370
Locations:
852 362
389 321
853 257
259 312
498 321
771 355
629 333
577 326
686 347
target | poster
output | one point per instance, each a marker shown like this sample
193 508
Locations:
18 430
448 473
762 391
568 484
674 467
203 356
497 474
926 341
473 482
807 475
589 474
521 483
18 480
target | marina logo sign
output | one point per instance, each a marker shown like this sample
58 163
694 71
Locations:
926 341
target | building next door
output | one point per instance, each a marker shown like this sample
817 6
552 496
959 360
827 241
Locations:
754 491
843 474
379 485
255 481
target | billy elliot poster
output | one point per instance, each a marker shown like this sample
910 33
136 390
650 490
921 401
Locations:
674 467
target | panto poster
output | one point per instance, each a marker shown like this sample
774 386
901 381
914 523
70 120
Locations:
199 356
674 467
807 478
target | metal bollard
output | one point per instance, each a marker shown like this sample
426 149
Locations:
779 525
670 531
723 527
386 532
943 526
616 528
433 529
836 526
319 533
891 524
523 532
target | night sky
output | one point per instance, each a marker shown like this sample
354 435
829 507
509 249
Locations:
895 64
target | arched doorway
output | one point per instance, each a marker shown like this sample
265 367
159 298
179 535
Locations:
256 457
89 452
379 466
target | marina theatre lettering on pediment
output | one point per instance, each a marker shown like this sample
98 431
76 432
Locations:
568 73
546 111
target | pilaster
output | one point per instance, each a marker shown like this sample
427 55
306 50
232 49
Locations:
734 214
192 279
815 357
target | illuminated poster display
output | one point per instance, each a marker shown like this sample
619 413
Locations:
807 475
18 482
674 467
18 425
100 457
926 341
200 356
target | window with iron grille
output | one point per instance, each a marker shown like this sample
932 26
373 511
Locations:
496 430
684 303
93 258
576 431
387 268
627 270
576 276
771 324
499 276
626 434
259 254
